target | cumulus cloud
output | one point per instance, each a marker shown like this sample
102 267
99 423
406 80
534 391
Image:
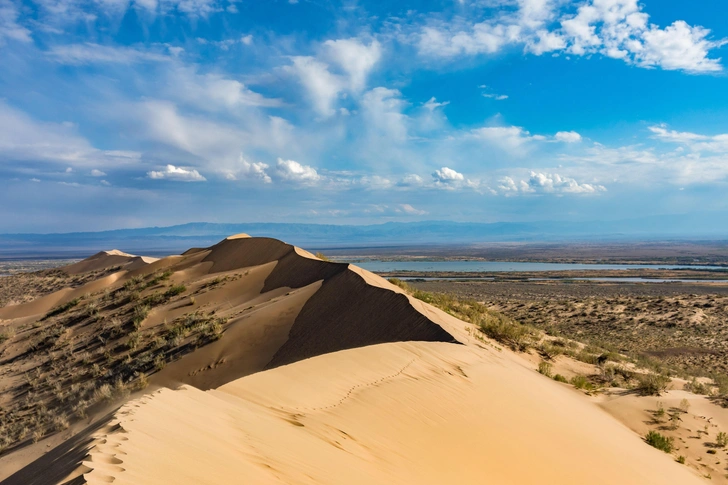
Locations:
97 173
614 28
549 183
447 175
180 174
567 137
292 171
248 170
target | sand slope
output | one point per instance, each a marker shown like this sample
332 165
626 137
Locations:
328 374
415 413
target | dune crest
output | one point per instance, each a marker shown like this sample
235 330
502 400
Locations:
318 372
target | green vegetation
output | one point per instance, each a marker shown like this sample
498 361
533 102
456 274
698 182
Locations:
581 382
545 369
651 384
722 439
175 290
560 378
655 439
681 459
322 257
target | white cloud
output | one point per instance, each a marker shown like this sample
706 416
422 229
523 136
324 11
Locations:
25 139
10 30
512 139
432 104
89 53
567 136
376 182
447 176
97 173
408 209
322 86
355 58
104 182
351 57
181 174
548 183
382 110
613 28
249 170
247 39
292 171
497 97
213 91
411 180
695 141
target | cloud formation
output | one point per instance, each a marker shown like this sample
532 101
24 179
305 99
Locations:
179 174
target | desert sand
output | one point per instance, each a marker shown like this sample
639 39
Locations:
322 373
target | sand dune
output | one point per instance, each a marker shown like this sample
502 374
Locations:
405 413
327 373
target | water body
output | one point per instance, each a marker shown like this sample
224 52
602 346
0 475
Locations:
506 267
572 280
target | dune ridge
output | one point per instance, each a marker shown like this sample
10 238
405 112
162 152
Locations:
325 373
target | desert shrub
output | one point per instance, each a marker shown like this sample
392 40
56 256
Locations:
657 440
684 405
651 384
545 369
560 378
681 459
133 341
175 290
581 382
697 387
722 439
103 393
551 350
508 332
660 411
322 257
154 299
140 313
60 423
142 382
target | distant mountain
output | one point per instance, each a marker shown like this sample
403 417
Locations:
166 240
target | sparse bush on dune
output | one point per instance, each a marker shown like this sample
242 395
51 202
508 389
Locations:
545 368
322 256
659 441
560 378
175 290
651 384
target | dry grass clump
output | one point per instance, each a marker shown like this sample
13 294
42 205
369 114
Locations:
92 351
651 384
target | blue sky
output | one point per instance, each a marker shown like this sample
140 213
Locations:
153 112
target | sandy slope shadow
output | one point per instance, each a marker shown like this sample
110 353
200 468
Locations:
55 465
